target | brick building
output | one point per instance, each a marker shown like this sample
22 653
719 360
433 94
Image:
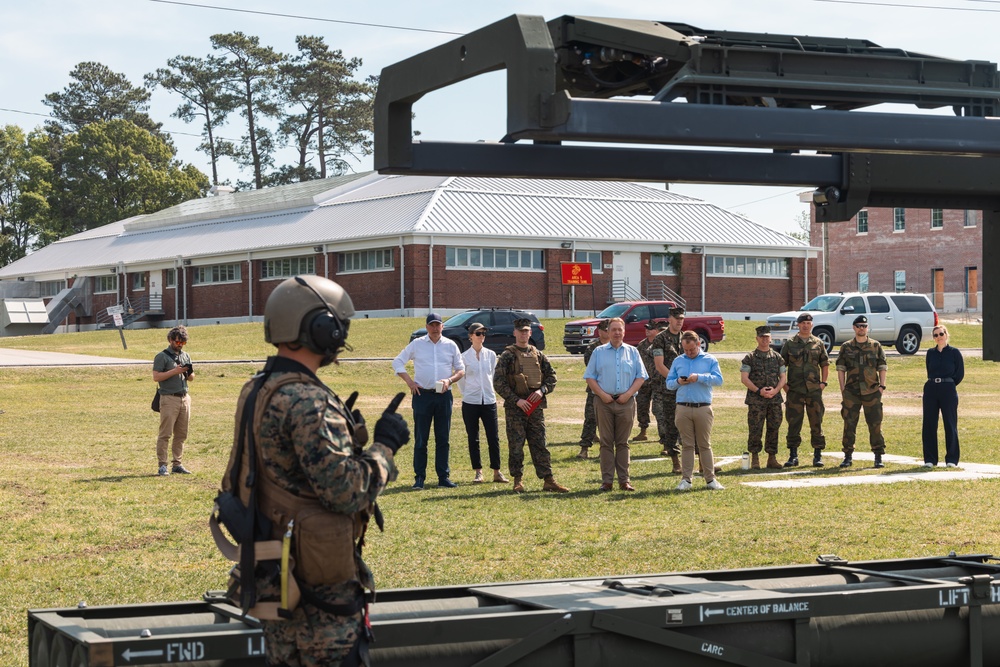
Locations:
402 245
937 252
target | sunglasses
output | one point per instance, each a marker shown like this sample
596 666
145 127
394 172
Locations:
860 326
180 343
479 333
940 335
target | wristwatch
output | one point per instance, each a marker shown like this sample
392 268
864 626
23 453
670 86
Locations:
881 386
825 384
760 389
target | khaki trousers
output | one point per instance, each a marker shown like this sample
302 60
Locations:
175 412
614 425
695 427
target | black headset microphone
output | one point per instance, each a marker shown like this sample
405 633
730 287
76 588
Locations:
324 329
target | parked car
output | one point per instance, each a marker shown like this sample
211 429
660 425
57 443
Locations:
499 323
899 319
579 334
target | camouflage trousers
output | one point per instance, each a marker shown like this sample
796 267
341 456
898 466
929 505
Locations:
664 409
850 410
521 427
802 404
758 415
312 637
643 399
589 435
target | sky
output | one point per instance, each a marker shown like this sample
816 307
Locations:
41 42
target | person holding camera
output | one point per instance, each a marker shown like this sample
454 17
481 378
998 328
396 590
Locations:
173 371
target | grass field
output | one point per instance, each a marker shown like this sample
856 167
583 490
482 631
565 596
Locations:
87 520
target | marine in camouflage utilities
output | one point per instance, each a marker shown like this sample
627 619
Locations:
668 346
804 360
521 427
589 434
764 369
306 444
861 363
643 397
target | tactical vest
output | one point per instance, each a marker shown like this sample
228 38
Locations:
528 372
314 545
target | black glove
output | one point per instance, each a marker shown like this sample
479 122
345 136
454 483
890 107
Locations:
391 429
355 414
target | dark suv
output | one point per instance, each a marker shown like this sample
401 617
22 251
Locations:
499 323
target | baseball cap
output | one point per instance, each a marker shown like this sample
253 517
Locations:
433 317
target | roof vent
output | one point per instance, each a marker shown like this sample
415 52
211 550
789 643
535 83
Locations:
217 190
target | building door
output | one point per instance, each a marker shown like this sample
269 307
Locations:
937 280
971 288
156 290
628 269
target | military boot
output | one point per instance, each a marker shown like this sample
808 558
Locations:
772 461
793 458
518 486
818 458
552 485
584 453
642 435
878 461
677 464
755 461
847 462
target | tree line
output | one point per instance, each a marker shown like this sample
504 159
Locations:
101 157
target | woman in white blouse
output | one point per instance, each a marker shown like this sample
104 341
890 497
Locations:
479 403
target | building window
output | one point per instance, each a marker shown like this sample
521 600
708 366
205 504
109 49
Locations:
364 260
50 287
970 218
862 222
863 281
503 259
759 267
661 264
899 219
596 262
170 278
288 267
217 273
900 280
138 281
105 284
937 218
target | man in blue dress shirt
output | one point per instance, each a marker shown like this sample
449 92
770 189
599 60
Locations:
615 374
692 375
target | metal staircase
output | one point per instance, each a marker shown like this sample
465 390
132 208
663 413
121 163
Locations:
133 309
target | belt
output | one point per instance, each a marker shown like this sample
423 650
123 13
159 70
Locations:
940 380
434 391
180 394
695 405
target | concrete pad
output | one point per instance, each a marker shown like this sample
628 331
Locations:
27 358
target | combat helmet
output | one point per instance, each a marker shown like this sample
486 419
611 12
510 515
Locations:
312 311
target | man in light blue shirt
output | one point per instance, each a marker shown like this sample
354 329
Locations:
437 364
692 375
615 374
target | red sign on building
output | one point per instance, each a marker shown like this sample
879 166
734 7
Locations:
577 273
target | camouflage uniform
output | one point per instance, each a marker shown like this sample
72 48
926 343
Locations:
589 434
668 346
764 369
306 443
862 363
521 427
804 360
644 396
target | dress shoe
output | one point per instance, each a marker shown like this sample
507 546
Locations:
478 479
552 485
817 458
518 486
499 478
625 486
847 462
446 483
606 487
772 462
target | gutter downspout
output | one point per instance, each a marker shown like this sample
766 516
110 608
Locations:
250 287
177 282
806 273
402 278
572 289
326 262
704 268
430 277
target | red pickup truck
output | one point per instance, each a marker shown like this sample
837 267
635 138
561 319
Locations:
580 333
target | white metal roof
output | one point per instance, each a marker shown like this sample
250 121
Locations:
342 210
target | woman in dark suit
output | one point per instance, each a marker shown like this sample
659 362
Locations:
945 370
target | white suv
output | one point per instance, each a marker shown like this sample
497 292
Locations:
900 319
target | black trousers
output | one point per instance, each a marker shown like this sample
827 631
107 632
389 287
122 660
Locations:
472 414
940 397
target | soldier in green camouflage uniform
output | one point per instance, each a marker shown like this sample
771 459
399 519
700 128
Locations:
763 374
807 365
664 349
311 445
515 366
589 434
644 396
861 370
